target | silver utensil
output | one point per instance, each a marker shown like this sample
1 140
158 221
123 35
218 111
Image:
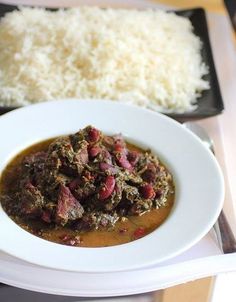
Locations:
222 228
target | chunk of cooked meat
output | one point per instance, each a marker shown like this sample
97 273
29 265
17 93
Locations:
68 207
32 200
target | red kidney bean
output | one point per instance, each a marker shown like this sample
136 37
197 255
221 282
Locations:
94 151
107 187
93 135
138 233
118 148
147 191
123 162
133 157
121 157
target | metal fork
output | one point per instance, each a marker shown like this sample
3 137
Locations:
222 228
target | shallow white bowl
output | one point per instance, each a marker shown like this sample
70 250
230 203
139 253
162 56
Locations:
198 179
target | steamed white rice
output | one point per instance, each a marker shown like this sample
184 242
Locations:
149 58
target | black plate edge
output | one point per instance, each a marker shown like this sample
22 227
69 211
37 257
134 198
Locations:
205 38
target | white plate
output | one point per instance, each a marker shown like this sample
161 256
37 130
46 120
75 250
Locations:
198 179
202 260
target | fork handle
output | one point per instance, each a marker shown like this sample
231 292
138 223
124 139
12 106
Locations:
227 236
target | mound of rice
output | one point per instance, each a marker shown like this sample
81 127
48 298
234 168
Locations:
149 58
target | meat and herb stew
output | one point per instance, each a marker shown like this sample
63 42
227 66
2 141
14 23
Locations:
87 189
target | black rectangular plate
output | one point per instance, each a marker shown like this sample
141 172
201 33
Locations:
210 103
